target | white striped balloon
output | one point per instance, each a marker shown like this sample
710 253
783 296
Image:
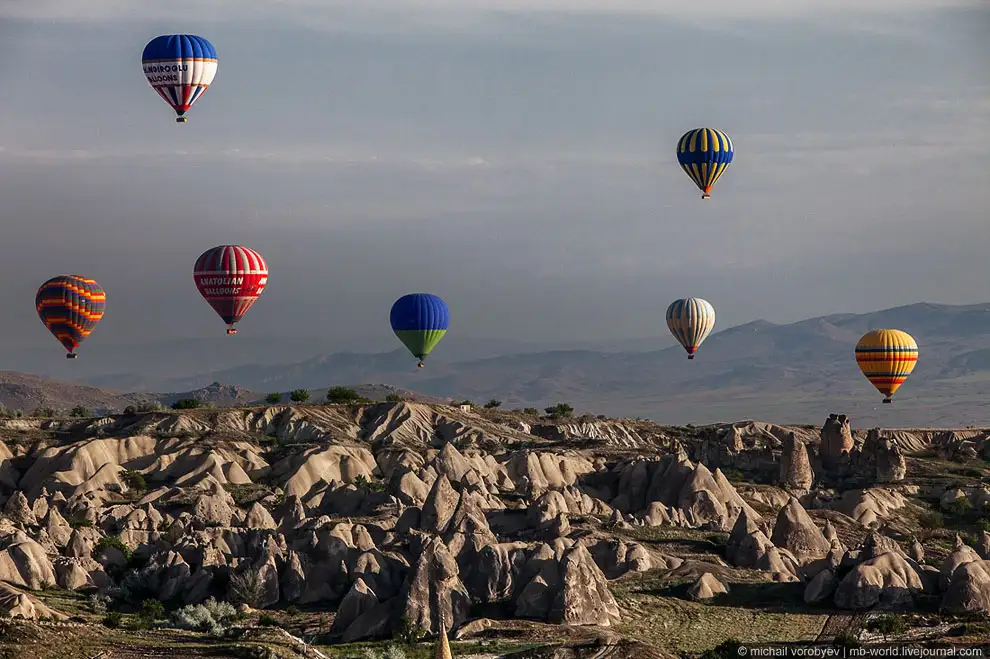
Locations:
691 320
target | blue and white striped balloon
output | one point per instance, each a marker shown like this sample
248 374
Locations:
180 67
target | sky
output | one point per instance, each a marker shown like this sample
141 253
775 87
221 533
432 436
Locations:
515 157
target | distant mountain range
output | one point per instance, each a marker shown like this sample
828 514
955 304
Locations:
794 373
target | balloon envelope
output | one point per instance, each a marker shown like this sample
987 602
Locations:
180 67
230 278
690 320
420 320
887 357
704 154
70 306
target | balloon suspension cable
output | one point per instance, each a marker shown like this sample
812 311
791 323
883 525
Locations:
887 401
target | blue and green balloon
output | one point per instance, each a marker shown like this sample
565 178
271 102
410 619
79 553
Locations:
420 320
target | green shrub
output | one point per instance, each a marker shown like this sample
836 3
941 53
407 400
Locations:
299 395
886 625
80 411
931 520
268 620
394 398
134 480
559 411
408 632
493 404
112 619
273 398
341 395
114 542
186 404
532 411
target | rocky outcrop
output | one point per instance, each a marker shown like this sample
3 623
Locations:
796 473
836 441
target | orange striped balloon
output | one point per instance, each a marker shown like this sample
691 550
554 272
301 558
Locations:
887 357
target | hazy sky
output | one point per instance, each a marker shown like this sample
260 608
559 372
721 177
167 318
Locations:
515 157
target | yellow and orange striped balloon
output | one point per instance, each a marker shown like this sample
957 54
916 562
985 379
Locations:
887 357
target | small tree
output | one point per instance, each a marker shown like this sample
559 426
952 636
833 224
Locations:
248 587
186 404
151 610
493 404
559 411
273 398
299 395
394 398
341 395
130 409
532 411
466 402
80 411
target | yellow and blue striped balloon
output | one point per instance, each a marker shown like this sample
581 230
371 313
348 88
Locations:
691 320
704 154
887 357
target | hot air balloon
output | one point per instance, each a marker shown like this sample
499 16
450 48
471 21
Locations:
70 306
704 153
887 357
230 278
691 320
419 320
180 67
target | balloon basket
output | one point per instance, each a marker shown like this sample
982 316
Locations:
690 356
72 355
231 330
887 401
181 120
706 196
420 365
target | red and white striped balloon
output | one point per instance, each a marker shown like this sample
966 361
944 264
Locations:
230 278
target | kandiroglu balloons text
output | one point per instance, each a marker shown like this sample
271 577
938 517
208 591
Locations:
230 278
70 306
420 320
887 357
690 320
704 155
180 67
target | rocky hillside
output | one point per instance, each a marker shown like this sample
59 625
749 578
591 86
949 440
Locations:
340 525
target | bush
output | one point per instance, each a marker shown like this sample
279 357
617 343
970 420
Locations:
959 508
45 412
248 587
151 407
341 395
186 404
466 402
273 398
268 620
211 616
408 632
394 398
134 480
98 603
931 520
80 411
886 625
151 610
79 522
112 619
370 484
299 395
532 411
130 410
493 404
113 542
559 411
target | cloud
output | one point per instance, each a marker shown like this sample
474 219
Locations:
340 13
